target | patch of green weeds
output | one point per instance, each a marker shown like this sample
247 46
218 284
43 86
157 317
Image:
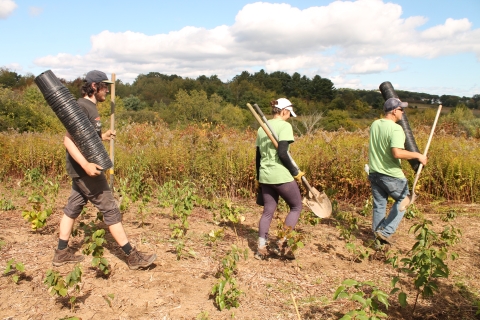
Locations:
17 268
6 205
63 287
425 262
42 201
367 295
226 292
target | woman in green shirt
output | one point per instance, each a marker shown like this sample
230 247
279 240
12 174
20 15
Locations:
276 175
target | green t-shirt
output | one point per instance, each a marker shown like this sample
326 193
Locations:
272 171
385 135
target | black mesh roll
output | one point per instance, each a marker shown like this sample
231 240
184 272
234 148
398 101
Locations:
388 92
74 119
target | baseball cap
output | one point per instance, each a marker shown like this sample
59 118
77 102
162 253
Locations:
394 103
96 76
283 103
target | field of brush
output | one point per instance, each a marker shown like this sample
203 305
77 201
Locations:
188 195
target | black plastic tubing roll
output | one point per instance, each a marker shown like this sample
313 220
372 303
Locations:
73 119
388 92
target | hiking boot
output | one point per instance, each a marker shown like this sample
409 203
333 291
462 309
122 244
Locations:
383 239
137 259
64 256
261 254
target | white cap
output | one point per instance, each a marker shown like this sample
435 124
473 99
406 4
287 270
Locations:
283 103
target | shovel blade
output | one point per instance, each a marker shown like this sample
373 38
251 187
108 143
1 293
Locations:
408 200
319 203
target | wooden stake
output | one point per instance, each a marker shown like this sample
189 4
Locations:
296 308
112 128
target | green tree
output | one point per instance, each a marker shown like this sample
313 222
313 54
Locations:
337 119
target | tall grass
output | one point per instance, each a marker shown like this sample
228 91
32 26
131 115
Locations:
221 161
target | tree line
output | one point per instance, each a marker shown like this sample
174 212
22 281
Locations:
181 100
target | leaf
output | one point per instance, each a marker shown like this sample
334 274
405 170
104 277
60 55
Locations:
359 298
20 267
63 292
15 278
402 299
383 299
350 282
394 281
394 290
337 292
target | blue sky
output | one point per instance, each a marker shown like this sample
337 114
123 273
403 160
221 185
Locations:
430 46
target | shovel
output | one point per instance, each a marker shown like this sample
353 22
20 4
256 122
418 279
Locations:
411 198
317 201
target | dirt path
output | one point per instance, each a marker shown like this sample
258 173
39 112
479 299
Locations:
180 289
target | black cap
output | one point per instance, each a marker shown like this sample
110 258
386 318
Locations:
96 76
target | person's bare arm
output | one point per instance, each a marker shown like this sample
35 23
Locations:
408 155
91 169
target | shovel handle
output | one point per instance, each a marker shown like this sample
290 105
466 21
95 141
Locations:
274 134
420 167
271 134
264 127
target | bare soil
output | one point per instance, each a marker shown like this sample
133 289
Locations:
180 289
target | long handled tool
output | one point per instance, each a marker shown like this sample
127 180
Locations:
316 201
411 198
112 128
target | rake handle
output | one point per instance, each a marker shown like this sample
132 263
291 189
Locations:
420 167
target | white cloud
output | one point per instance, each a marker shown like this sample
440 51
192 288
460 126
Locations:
35 11
344 37
6 8
369 65
14 67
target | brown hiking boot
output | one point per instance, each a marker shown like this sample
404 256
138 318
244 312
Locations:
66 255
137 259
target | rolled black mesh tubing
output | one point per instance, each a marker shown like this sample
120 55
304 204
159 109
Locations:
73 119
388 92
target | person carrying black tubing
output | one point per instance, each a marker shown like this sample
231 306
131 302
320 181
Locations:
386 149
90 184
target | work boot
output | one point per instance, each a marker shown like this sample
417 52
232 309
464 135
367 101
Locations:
64 256
137 259
261 254
384 239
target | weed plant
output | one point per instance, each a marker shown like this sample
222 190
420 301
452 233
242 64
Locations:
42 199
425 262
183 203
226 292
6 205
68 286
367 295
17 268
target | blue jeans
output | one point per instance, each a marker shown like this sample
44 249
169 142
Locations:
382 187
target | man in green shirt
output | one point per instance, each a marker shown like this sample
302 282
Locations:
386 148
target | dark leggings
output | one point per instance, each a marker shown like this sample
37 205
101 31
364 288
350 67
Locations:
290 193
